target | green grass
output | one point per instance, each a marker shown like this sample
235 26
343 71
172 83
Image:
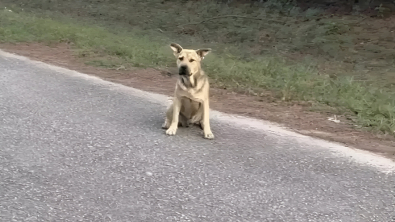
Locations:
88 39
230 64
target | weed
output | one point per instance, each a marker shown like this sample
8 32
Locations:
312 12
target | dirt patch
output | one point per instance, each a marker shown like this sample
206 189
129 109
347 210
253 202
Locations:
294 116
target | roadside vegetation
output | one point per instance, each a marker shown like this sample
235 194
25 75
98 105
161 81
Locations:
343 62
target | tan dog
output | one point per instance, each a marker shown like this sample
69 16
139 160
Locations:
191 96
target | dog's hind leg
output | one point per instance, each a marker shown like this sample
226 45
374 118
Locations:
208 134
199 124
172 130
182 121
169 117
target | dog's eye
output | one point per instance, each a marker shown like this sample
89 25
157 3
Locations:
181 58
191 60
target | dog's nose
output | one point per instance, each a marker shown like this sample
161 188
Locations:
183 70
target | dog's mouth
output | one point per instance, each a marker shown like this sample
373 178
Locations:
185 80
183 74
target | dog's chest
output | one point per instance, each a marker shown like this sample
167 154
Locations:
189 93
189 108
192 97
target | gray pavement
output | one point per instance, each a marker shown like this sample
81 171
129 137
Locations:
73 148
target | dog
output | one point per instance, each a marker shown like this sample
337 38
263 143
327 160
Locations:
191 96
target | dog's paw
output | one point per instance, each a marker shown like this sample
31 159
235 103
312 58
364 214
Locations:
165 125
171 131
208 135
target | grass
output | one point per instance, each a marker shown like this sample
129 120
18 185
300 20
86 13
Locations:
142 41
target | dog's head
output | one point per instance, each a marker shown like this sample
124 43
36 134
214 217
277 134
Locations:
188 60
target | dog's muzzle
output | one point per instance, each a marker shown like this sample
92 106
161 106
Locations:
183 71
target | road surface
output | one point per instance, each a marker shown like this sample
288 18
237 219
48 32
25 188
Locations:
76 148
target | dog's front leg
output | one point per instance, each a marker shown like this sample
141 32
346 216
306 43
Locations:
206 121
174 122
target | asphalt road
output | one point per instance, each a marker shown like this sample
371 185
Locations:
75 148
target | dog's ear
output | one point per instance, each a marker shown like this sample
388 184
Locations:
203 52
176 48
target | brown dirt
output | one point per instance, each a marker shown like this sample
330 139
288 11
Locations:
294 116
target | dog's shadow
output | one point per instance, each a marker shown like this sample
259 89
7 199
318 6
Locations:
190 130
157 122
